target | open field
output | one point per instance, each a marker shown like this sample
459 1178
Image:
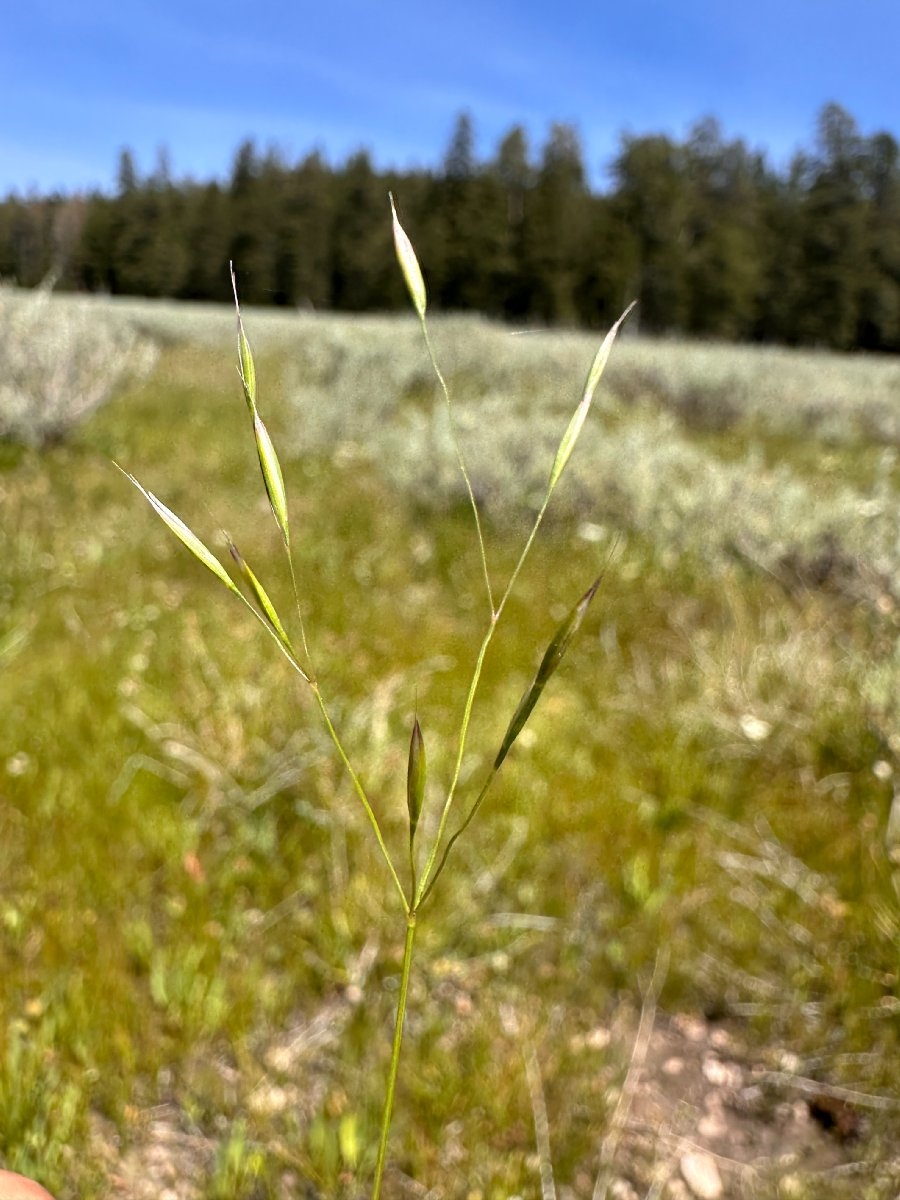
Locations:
197 961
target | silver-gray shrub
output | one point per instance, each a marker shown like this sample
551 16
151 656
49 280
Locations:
834 398
61 357
636 469
644 476
350 379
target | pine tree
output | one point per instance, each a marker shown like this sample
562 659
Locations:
879 323
834 234
360 238
724 270
556 226
513 171
654 202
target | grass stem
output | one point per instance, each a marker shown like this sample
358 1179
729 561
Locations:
361 793
460 460
395 1053
451 791
299 609
427 881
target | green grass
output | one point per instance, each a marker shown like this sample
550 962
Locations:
186 885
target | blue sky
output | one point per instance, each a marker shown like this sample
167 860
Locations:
83 80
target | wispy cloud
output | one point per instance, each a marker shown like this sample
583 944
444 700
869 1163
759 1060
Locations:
200 75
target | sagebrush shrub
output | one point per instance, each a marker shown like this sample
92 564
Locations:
60 359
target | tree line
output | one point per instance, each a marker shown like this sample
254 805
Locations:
707 236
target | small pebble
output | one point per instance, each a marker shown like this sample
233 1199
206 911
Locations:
700 1173
721 1074
713 1123
676 1190
693 1028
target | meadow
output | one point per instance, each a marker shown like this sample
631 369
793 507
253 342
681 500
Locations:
696 832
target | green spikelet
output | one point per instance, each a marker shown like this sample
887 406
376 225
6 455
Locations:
553 656
409 264
415 778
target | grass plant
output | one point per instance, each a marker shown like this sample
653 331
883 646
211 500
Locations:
414 893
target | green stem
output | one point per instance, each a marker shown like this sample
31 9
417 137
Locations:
451 791
451 842
395 1053
460 460
525 551
361 793
429 875
299 607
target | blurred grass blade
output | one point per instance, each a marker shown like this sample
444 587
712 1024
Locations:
247 365
409 264
570 437
262 597
186 535
272 476
415 778
552 658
